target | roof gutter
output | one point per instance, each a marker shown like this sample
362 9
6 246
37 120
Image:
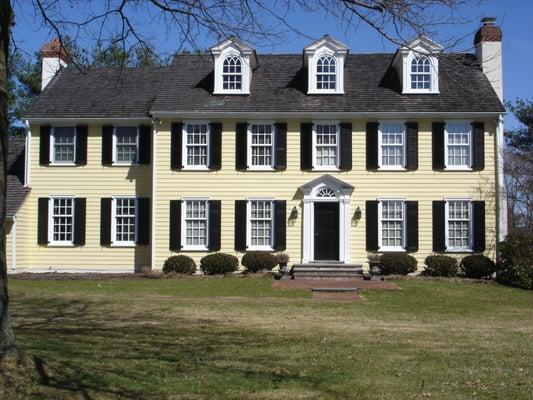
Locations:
40 120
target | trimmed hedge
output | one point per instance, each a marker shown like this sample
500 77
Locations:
256 261
219 263
440 265
515 261
477 266
397 264
179 264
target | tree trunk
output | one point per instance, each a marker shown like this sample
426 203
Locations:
7 338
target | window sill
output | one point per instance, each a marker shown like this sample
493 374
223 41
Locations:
124 244
392 250
458 169
124 164
420 91
195 168
259 248
324 169
61 244
257 168
194 248
389 168
458 250
317 91
62 164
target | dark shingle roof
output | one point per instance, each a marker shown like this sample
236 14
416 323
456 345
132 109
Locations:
16 192
99 93
279 84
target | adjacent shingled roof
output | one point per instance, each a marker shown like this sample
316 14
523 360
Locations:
279 84
99 93
16 192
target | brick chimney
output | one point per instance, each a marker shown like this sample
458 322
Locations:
54 57
488 44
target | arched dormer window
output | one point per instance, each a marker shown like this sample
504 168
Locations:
326 73
421 73
232 73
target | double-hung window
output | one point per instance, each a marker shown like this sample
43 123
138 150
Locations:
459 225
326 146
196 145
458 139
126 145
260 224
392 225
392 145
195 224
63 146
232 74
61 225
124 228
261 146
326 76
421 73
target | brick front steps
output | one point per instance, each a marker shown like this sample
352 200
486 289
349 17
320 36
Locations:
327 270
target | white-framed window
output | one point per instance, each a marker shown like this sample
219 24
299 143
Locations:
63 145
126 145
458 225
391 146
232 74
326 73
260 232
196 145
124 221
391 225
326 145
421 73
260 145
61 220
458 145
195 223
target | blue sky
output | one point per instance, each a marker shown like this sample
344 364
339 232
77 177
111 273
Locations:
514 16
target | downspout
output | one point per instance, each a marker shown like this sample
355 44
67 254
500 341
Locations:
155 122
14 244
501 192
27 154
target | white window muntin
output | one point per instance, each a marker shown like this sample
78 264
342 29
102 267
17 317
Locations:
420 73
326 73
125 228
257 152
394 221
388 150
257 224
192 224
116 144
232 74
61 220
68 153
199 151
463 224
339 72
460 147
407 72
323 149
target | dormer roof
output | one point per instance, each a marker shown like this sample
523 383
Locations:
234 42
328 42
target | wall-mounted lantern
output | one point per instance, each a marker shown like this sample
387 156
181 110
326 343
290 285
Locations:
294 214
357 214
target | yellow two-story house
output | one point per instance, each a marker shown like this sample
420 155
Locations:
327 155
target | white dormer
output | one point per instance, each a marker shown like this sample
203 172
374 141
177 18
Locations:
325 65
418 66
234 62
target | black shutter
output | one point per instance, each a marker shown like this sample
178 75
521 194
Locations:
81 145
478 212
306 146
411 142
107 145
240 225
44 145
372 146
42 224
280 218
215 145
176 137
478 146
437 133
372 225
80 205
105 221
346 146
280 142
241 144
145 144
175 225
214 225
143 224
439 226
411 211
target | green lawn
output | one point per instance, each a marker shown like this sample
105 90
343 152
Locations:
237 338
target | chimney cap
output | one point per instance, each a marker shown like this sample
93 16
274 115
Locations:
488 32
54 49
487 21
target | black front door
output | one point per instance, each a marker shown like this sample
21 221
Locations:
326 231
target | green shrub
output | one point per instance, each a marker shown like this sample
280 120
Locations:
219 263
256 261
397 264
515 261
439 265
477 266
179 264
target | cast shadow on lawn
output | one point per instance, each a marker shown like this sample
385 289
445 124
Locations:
92 349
